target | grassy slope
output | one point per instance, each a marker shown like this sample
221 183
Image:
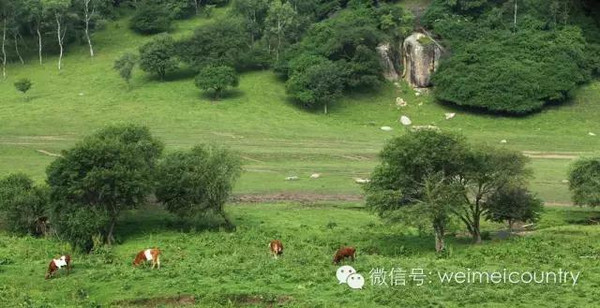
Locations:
229 269
276 138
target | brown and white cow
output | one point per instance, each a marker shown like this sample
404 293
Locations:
276 248
152 254
56 264
343 253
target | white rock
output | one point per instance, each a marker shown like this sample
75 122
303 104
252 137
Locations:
417 93
565 181
397 84
421 104
405 121
81 94
361 181
291 178
401 102
591 134
315 175
386 128
503 141
450 115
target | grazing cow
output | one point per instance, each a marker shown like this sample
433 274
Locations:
276 248
56 264
152 254
343 253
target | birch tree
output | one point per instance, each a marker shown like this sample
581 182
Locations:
281 19
89 10
5 7
58 11
34 17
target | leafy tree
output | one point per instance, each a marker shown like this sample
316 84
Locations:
484 172
584 182
158 56
197 181
58 11
93 182
217 78
474 174
125 65
254 13
221 43
415 182
23 85
513 203
318 85
150 18
282 26
23 206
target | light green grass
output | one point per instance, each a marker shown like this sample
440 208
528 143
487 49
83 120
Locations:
276 138
233 269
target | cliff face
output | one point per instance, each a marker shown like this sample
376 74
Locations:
420 58
387 63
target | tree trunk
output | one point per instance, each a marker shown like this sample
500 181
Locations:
39 34
87 26
60 37
325 108
110 237
4 50
515 15
17 48
476 232
228 223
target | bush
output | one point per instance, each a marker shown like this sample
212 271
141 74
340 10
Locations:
584 182
192 183
158 56
217 78
93 182
318 85
151 18
24 207
511 204
23 85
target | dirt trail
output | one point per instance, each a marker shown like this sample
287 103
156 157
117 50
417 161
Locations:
294 196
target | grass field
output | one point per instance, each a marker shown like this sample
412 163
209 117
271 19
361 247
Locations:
277 140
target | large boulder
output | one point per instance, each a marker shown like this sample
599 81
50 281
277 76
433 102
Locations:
387 63
420 58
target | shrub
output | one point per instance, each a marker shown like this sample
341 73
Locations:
217 78
23 85
124 66
192 183
513 203
93 182
24 207
158 56
584 182
151 18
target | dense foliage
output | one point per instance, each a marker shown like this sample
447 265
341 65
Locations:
158 56
217 79
23 206
584 182
512 203
106 173
417 167
198 181
151 17
514 56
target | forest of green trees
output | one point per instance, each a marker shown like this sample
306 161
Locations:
511 56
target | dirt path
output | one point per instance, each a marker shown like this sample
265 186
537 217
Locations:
297 197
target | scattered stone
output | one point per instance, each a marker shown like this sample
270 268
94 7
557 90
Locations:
565 181
405 120
315 175
421 104
291 178
450 115
417 93
361 181
591 134
425 127
386 128
401 102
81 94
503 141
397 84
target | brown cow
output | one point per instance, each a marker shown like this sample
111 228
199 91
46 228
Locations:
276 248
152 254
343 253
56 264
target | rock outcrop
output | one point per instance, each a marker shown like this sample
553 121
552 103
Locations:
387 63
420 58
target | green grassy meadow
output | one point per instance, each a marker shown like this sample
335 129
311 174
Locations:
276 140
